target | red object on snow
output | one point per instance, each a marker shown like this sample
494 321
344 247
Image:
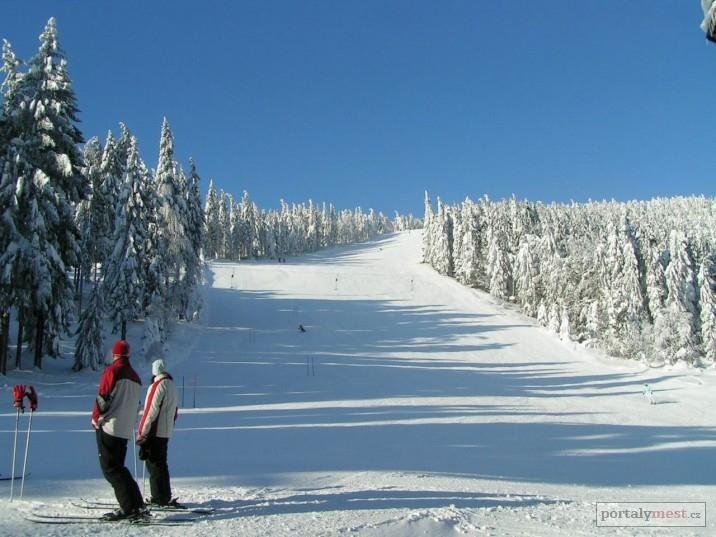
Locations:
18 394
32 397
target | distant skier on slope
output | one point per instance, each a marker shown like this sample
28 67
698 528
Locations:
708 25
155 430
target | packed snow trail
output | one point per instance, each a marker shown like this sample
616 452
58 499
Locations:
410 404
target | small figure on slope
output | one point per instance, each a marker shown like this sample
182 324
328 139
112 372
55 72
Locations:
648 393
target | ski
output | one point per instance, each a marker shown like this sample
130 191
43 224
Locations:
90 504
41 518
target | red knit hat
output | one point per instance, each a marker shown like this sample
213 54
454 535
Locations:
121 348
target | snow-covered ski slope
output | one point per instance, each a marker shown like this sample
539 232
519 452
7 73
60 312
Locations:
410 405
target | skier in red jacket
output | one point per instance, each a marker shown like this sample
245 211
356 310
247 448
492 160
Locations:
113 417
155 430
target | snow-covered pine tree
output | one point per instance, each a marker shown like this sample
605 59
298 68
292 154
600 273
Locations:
49 183
195 230
527 276
225 201
247 219
9 238
212 225
656 291
235 231
565 333
125 282
171 217
313 233
468 267
88 347
91 213
442 241
105 196
675 331
427 230
626 293
707 309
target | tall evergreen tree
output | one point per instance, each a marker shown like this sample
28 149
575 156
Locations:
675 329
125 280
212 225
49 181
88 348
171 212
707 309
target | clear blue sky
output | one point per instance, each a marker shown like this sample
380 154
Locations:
371 102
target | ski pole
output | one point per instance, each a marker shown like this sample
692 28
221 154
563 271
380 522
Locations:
32 397
134 448
18 392
144 479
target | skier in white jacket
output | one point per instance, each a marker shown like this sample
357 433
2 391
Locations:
155 430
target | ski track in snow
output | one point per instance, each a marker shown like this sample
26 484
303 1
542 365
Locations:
411 405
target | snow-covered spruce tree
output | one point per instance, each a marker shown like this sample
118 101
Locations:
212 225
527 277
49 181
91 213
330 226
655 280
124 285
105 196
224 225
468 267
313 232
675 330
247 219
195 229
427 230
625 307
235 231
88 347
499 268
442 240
707 309
9 238
171 214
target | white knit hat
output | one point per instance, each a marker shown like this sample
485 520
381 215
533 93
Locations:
158 367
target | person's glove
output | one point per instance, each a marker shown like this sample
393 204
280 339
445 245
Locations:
32 397
144 451
18 394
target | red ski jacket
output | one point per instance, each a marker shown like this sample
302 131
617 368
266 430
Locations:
115 408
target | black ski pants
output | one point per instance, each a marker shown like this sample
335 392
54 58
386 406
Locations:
158 470
112 452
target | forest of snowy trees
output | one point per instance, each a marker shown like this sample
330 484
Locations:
89 233
635 279
74 214
240 230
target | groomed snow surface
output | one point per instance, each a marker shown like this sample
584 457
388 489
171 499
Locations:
410 405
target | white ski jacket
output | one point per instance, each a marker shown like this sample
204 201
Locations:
160 408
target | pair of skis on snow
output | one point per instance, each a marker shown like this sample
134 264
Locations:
56 518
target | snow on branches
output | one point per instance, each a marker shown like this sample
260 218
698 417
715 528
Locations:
634 278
